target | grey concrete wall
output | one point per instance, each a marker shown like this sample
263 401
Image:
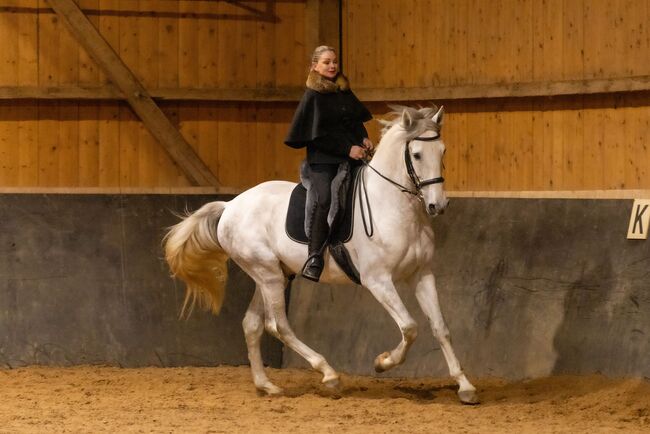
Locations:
83 281
528 288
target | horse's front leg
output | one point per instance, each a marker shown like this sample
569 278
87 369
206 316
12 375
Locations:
425 291
384 291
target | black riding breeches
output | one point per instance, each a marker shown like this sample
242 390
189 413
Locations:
321 182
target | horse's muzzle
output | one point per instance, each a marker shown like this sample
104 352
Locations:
434 210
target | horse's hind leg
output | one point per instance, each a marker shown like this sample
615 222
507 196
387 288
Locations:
428 299
271 284
384 291
253 325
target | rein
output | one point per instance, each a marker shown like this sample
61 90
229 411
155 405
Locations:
410 170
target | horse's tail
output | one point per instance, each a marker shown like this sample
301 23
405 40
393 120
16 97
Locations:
194 255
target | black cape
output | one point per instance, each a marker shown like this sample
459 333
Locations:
328 124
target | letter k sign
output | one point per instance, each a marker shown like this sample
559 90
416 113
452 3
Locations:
639 219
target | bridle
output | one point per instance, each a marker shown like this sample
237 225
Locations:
410 170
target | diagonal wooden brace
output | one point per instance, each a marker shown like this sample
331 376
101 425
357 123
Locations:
144 106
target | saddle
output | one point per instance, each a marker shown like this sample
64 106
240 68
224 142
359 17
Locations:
340 216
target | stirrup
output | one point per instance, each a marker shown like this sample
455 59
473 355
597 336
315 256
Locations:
313 268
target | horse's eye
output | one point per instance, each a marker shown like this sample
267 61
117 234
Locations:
416 155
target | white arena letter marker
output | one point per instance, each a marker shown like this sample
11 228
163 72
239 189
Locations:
639 219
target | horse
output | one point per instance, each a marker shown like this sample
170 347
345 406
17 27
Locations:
403 180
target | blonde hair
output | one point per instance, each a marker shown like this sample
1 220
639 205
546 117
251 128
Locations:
319 52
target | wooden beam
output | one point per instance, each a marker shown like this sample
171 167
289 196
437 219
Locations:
292 94
537 194
555 194
322 24
153 118
121 190
286 94
110 92
532 89
61 92
312 35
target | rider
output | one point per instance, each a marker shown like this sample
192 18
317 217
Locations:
329 122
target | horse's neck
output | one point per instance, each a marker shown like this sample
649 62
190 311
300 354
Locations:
389 161
397 217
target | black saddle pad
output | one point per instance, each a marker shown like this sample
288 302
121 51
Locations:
295 223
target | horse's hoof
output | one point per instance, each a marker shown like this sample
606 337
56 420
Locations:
331 381
270 390
381 364
469 397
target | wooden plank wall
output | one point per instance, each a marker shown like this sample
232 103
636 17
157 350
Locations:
562 143
168 44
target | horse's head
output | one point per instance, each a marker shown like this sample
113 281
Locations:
419 133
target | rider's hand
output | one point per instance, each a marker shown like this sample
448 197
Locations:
357 152
367 143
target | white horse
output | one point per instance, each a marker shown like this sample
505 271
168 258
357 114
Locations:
250 230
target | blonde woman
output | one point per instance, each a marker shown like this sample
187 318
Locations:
329 123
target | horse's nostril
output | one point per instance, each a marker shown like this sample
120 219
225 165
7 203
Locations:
432 207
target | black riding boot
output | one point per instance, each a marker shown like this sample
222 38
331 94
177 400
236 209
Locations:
317 242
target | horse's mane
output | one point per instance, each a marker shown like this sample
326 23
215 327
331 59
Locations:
421 119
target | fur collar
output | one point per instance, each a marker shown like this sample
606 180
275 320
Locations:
320 84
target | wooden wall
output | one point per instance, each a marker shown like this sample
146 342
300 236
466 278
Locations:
562 143
167 44
530 143
411 43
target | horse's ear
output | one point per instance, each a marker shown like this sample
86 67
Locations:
437 118
407 120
